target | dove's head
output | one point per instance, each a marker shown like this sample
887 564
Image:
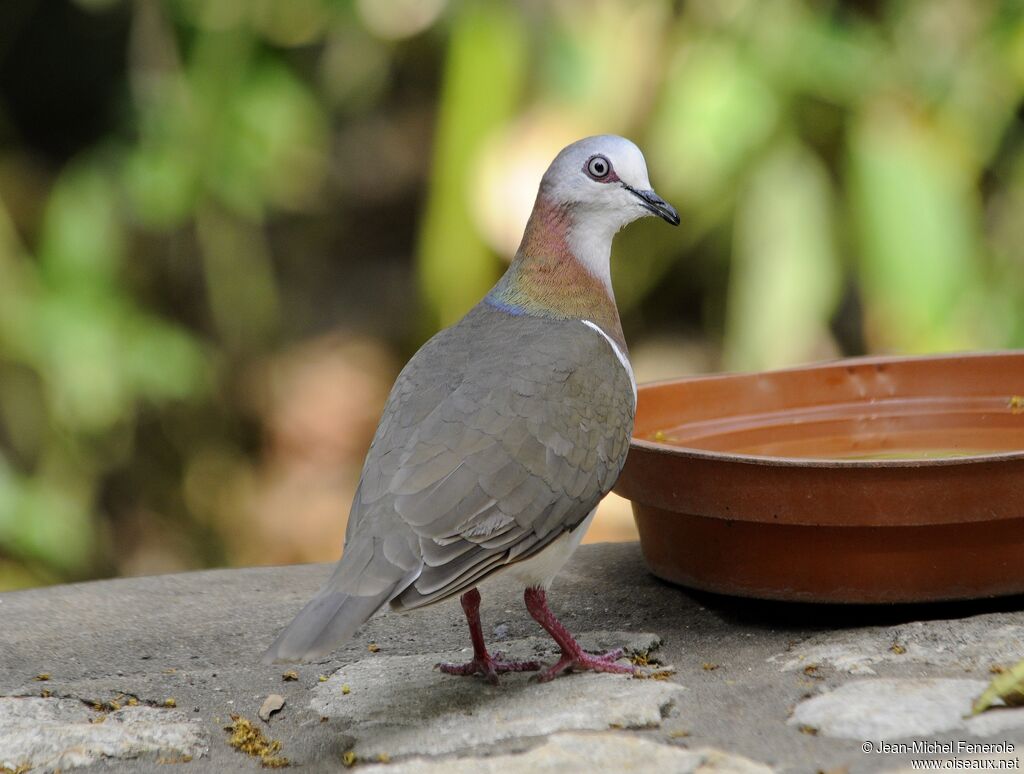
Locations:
602 181
593 188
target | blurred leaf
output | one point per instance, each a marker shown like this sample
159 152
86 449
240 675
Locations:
915 215
1006 235
295 23
1012 39
984 92
806 51
482 80
611 49
17 293
161 172
397 19
14 576
163 182
785 278
40 520
216 15
80 360
82 240
714 113
271 142
96 353
1006 688
23 413
354 69
162 362
239 279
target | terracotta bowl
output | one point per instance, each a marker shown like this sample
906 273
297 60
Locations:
867 480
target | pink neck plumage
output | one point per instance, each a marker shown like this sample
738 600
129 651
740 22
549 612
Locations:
547 279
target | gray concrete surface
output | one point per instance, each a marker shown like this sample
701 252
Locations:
756 684
603 752
896 708
376 696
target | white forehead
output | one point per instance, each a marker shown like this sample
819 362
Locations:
627 161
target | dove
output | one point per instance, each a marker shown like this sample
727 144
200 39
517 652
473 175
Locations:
503 432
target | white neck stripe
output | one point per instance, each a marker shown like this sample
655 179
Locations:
618 353
592 247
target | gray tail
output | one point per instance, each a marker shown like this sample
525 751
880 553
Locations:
330 618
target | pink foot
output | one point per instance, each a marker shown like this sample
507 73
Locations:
489 668
573 656
483 663
606 662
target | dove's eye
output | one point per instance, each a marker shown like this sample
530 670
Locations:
598 167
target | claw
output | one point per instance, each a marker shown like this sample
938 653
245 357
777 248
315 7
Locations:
483 663
489 668
573 656
606 662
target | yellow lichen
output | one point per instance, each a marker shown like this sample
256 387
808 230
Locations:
43 677
373 647
290 676
707 666
346 689
898 649
247 738
643 658
640 658
170 703
1016 404
1007 687
113 705
323 678
657 674
348 759
384 758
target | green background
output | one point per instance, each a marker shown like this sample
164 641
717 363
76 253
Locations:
224 224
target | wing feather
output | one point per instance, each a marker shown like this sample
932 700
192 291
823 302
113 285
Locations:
502 435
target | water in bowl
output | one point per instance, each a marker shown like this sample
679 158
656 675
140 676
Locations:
898 429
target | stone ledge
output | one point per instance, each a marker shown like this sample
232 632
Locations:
742 667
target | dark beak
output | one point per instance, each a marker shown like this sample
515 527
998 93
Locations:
655 204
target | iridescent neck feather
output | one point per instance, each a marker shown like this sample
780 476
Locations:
548 278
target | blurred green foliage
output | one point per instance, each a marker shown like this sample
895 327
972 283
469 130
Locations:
188 187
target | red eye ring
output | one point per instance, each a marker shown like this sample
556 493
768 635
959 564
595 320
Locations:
599 168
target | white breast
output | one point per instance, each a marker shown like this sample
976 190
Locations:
618 353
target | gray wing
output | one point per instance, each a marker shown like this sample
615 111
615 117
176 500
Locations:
499 436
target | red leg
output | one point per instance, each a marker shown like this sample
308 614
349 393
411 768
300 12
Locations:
573 656
483 663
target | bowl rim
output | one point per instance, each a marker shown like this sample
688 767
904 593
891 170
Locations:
675 450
